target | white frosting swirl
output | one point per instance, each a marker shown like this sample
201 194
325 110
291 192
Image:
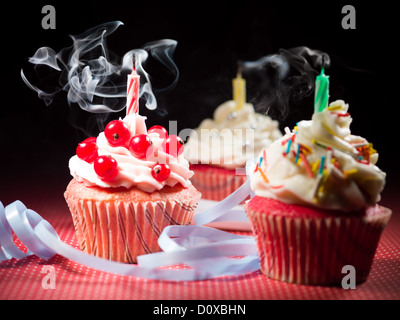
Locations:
232 137
131 170
349 180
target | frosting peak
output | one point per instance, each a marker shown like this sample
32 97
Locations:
134 170
320 163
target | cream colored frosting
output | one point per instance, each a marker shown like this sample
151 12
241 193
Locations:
349 180
232 137
131 170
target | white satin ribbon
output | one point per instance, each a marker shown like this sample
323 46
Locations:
207 251
222 208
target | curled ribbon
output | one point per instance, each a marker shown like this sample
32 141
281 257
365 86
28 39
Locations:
207 251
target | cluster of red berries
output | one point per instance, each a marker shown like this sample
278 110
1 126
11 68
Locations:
118 135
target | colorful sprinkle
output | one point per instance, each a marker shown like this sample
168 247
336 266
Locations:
255 170
335 163
306 165
315 165
261 160
349 172
341 114
365 151
371 149
298 153
306 149
283 142
289 145
263 175
319 144
277 187
320 178
321 165
334 108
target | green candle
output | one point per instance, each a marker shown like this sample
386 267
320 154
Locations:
321 92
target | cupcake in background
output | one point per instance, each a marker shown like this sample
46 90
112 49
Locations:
218 149
315 207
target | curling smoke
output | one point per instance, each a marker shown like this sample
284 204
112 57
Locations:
90 76
284 77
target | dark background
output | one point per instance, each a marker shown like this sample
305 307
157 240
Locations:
36 140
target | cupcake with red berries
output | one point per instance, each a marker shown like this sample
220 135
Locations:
218 149
128 184
315 208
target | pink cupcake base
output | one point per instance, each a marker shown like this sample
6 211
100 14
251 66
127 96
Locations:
123 231
120 225
300 245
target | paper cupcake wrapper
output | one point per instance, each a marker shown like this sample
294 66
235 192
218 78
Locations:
216 186
121 231
314 251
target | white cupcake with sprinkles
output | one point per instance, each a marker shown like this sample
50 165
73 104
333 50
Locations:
316 207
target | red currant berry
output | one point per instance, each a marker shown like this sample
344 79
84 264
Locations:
163 133
106 167
174 145
161 172
117 133
87 150
140 146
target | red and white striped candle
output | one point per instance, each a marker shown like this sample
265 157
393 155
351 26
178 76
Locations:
132 98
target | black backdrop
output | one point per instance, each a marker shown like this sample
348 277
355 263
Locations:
37 140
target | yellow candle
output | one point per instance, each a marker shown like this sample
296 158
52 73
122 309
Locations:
239 91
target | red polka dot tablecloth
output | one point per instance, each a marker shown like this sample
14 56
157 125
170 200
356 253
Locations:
25 279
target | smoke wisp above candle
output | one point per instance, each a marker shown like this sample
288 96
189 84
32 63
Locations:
94 78
283 78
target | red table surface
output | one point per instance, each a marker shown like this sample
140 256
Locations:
22 279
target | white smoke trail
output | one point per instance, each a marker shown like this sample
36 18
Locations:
284 77
90 77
